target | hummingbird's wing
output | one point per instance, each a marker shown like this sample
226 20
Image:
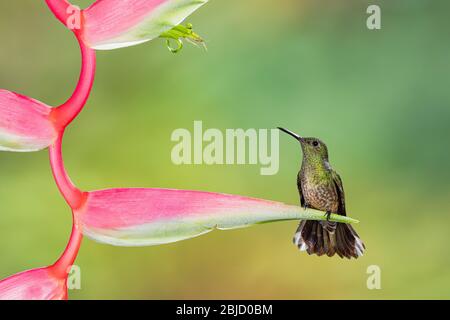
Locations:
340 192
299 187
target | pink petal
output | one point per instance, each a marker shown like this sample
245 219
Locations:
110 24
25 123
137 217
36 284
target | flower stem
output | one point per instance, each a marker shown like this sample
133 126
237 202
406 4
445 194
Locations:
59 9
74 196
66 112
62 116
61 267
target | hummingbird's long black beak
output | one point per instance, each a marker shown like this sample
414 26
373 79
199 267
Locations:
296 136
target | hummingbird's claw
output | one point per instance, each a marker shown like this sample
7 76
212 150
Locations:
328 214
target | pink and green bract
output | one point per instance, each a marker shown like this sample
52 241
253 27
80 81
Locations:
25 124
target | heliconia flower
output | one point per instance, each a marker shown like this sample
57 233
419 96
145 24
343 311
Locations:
111 24
139 217
25 123
48 283
29 125
36 284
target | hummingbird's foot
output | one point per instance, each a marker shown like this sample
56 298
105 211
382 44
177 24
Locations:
328 214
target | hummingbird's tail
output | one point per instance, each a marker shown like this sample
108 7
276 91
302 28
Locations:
330 238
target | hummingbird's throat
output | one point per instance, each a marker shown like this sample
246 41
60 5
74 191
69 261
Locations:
316 163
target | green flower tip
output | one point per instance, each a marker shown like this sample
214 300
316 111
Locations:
180 32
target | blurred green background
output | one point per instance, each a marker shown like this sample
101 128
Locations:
379 99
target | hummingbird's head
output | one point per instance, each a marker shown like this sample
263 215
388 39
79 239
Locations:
312 148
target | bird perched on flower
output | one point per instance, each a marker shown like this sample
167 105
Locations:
320 187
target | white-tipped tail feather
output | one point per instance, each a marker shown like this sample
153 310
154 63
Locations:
322 237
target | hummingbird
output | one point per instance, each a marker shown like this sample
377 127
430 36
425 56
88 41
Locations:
321 188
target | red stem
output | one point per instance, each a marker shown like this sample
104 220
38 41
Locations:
65 113
62 116
74 196
61 267
59 9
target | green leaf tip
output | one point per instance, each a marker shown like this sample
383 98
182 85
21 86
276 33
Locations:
309 214
180 32
337 218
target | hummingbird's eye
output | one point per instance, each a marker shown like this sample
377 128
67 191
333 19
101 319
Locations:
315 143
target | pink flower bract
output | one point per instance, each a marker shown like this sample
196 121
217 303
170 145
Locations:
138 217
36 284
111 24
25 123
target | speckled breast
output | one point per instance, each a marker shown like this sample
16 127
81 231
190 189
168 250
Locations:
320 195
